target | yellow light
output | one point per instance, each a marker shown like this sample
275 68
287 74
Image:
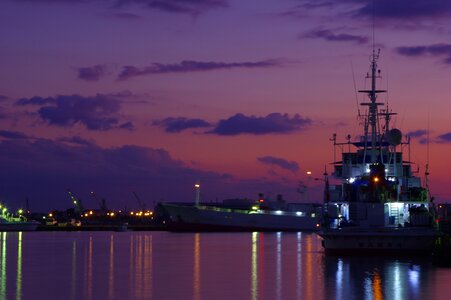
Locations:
309 172
50 215
132 213
90 212
20 211
376 179
112 214
86 215
197 185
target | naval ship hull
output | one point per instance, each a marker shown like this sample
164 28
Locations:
207 218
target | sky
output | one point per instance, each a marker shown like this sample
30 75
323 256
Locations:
152 96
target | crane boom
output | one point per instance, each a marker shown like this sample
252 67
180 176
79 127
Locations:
142 206
77 202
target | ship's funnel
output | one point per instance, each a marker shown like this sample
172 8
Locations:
394 137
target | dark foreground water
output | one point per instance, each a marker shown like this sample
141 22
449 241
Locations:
162 265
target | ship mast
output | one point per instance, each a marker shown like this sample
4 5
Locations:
372 107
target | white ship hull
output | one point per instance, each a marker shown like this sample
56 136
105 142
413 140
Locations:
206 218
379 241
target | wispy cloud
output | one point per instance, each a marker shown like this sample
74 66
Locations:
93 73
279 162
272 123
100 112
76 140
13 135
192 7
417 133
187 66
405 8
444 138
386 9
331 36
434 50
175 125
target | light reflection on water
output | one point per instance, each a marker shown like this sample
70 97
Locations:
161 265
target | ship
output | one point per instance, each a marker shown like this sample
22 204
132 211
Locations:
9 222
241 215
377 203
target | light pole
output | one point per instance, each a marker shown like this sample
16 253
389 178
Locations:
197 188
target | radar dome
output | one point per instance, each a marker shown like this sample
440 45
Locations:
394 137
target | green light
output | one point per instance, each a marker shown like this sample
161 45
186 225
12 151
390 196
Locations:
20 211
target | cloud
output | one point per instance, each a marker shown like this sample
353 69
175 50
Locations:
435 50
444 138
3 98
175 125
76 140
93 73
387 9
13 134
187 66
417 133
329 35
38 101
279 162
43 169
405 9
272 123
182 6
100 112
193 7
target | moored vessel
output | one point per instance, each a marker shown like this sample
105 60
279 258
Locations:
9 222
379 204
242 215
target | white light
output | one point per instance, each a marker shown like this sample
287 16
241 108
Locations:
278 212
300 213
351 180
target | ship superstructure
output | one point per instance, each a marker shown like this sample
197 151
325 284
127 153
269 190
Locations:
379 202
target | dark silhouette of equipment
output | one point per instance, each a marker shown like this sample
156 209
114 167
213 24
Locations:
142 206
102 203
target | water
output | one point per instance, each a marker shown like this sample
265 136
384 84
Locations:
162 265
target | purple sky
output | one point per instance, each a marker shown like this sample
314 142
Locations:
115 96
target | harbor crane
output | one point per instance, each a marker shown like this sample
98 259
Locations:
142 205
77 202
102 203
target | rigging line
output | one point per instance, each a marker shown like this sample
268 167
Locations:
355 90
374 21
427 138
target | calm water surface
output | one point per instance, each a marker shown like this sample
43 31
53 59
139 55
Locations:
162 265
